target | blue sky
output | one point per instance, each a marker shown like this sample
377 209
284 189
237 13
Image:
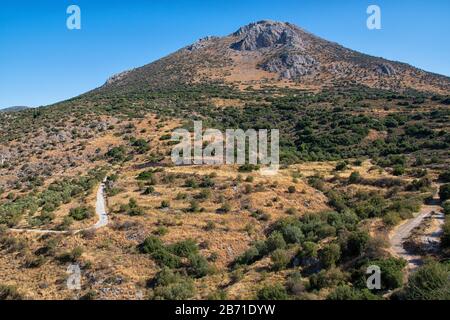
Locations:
42 62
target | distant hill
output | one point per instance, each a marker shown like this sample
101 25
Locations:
14 109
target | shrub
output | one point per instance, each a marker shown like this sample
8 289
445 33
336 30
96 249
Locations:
341 166
446 206
392 219
117 154
81 213
295 284
355 244
151 244
272 292
275 241
291 211
344 292
354 178
198 266
9 293
398 170
248 168
292 189
429 282
141 146
165 258
71 256
280 259
194 206
168 285
165 204
327 279
184 248
149 190
329 255
445 237
248 257
444 192
225 208
391 272
445 176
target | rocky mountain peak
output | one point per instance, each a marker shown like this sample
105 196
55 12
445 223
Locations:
268 34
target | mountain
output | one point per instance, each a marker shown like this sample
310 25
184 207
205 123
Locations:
277 54
14 109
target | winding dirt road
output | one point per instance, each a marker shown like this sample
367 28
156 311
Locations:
100 210
402 232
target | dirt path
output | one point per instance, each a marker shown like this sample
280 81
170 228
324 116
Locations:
402 232
100 210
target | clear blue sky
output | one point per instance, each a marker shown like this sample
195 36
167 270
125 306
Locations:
42 62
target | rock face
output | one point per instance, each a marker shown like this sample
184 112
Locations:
118 77
291 65
385 69
201 44
267 34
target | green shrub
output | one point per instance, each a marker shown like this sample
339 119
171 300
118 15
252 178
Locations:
71 256
165 258
445 237
354 178
184 248
151 244
355 244
398 170
327 279
341 166
132 208
272 292
165 204
445 176
9 293
248 168
329 255
275 241
280 259
292 189
168 285
82 213
344 292
429 282
446 206
198 266
444 192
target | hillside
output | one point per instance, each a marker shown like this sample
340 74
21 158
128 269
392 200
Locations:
364 144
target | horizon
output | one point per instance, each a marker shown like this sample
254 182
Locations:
52 64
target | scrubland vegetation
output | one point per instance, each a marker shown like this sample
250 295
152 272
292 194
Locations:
356 163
